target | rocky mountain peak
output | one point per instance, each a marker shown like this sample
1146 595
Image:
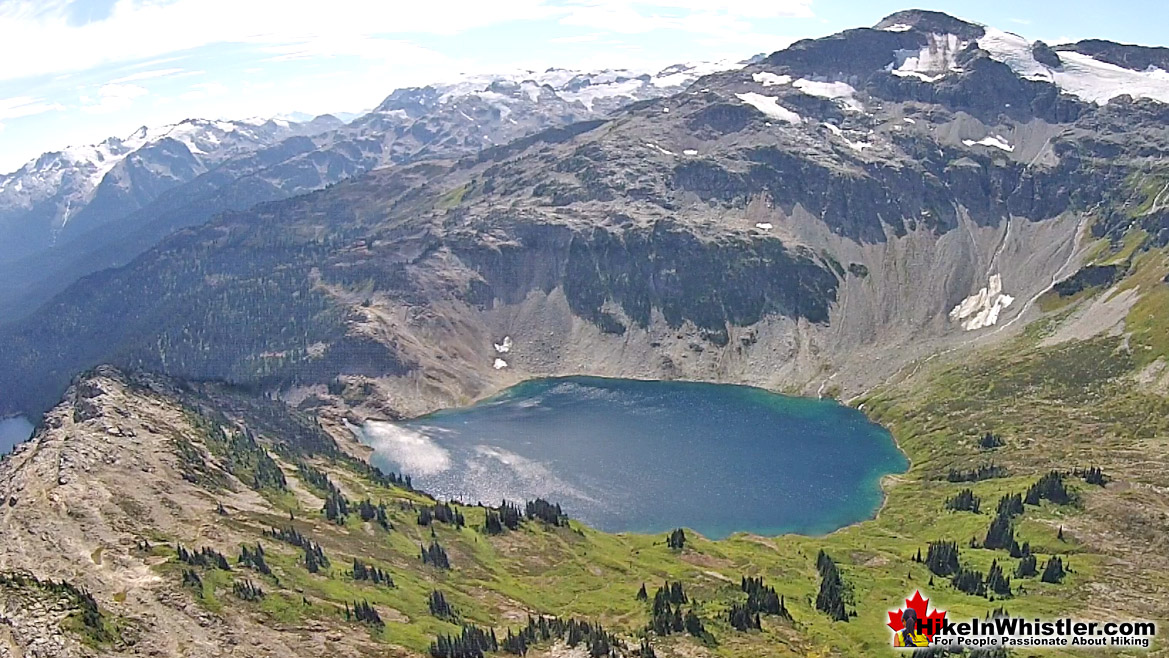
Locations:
934 22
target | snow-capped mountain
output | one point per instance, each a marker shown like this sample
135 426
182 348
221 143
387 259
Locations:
80 187
1093 70
79 210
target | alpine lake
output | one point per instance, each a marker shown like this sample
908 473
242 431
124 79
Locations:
649 456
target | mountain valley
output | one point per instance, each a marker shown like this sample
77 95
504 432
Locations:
958 231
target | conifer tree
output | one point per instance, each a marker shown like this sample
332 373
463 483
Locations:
439 606
1001 533
1028 567
1049 487
830 599
964 500
1054 571
942 558
996 581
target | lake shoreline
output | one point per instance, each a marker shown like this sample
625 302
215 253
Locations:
797 437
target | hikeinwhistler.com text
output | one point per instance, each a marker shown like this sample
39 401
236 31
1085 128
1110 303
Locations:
1008 632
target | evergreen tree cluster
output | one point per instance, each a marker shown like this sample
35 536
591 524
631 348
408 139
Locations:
742 619
192 580
247 591
390 479
1010 505
547 512
677 539
1049 487
1001 533
964 501
314 555
1054 572
1021 551
973 582
969 581
364 613
435 555
978 474
315 478
1028 563
370 512
507 516
244 454
763 599
439 607
830 599
363 571
442 513
990 441
336 507
254 559
666 615
473 642
239 452
996 581
205 557
941 557
1092 475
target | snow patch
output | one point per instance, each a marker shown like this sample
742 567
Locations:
766 226
659 149
841 92
982 309
768 79
856 146
504 347
499 364
1080 75
770 106
897 27
689 152
995 141
932 62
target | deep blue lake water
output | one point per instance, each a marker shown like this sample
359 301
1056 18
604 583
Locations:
13 431
649 456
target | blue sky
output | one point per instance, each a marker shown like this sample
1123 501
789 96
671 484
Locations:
77 71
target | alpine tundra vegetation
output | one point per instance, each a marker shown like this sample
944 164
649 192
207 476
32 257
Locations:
958 232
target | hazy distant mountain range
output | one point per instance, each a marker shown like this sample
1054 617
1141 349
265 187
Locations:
75 211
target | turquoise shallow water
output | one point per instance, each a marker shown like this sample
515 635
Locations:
649 456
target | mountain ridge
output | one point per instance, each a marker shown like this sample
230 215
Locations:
435 121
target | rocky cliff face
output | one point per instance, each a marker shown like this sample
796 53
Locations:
812 222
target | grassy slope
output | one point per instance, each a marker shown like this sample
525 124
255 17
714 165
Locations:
1056 407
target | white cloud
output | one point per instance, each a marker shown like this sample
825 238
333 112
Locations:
112 98
24 106
141 29
152 75
203 91
700 16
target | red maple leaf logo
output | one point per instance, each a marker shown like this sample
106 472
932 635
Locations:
930 623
